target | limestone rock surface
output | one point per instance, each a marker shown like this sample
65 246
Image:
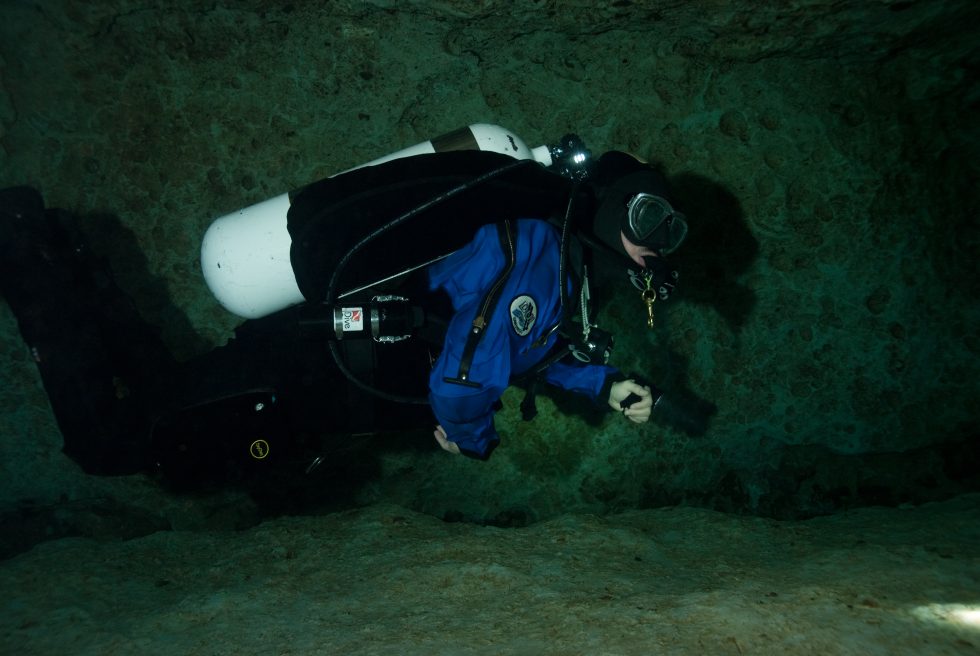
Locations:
825 151
386 580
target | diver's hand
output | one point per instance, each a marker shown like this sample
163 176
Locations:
638 411
444 442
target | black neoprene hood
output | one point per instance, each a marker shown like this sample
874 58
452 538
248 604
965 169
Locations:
617 178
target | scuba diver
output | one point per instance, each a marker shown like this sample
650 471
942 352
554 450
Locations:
459 272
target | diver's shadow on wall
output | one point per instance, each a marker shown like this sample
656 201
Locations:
118 249
719 248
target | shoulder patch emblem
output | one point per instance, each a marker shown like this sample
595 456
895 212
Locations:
523 314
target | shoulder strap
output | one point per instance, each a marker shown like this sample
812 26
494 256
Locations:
508 246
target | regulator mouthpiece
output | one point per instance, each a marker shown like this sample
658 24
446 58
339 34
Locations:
656 281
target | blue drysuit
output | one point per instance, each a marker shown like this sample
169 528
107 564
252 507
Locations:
528 308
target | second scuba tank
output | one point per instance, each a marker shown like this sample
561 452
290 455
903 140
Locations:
245 254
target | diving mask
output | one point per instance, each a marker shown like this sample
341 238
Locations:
654 223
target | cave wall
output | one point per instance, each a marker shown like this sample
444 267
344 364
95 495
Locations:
823 150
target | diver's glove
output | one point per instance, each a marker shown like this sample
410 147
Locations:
683 411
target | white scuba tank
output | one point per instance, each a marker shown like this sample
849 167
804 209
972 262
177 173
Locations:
245 254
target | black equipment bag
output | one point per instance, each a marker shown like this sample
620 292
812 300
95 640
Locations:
224 441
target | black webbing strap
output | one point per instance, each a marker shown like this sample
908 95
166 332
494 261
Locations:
508 245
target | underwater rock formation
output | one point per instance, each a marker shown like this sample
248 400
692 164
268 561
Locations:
823 150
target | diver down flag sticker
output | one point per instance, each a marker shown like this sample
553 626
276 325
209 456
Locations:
523 314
